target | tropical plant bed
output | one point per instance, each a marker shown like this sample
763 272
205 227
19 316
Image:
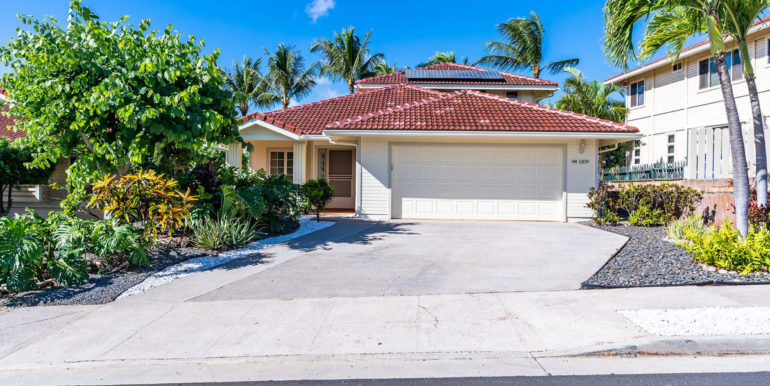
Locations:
649 260
104 288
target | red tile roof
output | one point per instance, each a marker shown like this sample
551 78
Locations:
478 111
311 118
5 126
688 48
510 79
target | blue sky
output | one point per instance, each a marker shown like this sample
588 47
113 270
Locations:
407 32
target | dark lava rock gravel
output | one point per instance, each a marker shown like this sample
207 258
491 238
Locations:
104 288
649 260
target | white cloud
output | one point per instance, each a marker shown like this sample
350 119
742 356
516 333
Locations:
328 92
318 8
293 103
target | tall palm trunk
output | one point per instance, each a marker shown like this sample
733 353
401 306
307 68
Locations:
759 127
759 141
740 167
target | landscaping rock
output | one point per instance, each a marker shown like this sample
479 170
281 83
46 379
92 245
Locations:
648 260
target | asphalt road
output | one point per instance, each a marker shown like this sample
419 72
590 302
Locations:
697 379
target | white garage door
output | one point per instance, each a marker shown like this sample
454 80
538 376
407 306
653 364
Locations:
489 182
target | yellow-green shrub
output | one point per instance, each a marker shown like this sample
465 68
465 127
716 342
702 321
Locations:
723 247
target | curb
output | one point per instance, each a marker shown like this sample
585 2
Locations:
679 346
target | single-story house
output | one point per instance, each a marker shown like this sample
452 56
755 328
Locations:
448 141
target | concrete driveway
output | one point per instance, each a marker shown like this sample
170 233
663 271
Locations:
362 258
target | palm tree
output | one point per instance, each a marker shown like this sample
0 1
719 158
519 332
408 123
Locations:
739 18
523 48
671 28
591 98
442 57
620 18
245 81
383 68
346 57
286 77
598 100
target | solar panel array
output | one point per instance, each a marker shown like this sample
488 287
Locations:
418 74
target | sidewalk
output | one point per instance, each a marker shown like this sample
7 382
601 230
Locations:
519 331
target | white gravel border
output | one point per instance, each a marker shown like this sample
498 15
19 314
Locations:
307 224
702 321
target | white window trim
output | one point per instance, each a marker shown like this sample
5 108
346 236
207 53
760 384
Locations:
671 145
283 150
644 93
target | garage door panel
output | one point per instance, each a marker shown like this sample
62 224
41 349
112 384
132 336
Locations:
517 182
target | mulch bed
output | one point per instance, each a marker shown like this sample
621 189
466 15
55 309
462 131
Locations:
648 260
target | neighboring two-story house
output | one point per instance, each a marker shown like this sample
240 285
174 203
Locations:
679 109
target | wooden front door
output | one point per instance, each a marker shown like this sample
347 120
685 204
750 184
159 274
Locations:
338 166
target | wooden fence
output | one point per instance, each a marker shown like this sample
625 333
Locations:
708 152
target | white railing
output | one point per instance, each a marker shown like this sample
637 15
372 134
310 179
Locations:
708 152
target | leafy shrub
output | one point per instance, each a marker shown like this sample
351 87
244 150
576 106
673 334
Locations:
759 216
643 203
112 242
677 228
224 232
281 198
144 197
232 228
318 194
604 202
724 248
645 216
27 258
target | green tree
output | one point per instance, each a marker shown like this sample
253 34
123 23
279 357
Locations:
621 17
246 83
383 68
318 193
591 98
672 28
114 95
14 171
287 77
346 57
442 57
598 100
522 48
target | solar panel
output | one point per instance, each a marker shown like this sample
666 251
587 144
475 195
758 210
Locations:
418 74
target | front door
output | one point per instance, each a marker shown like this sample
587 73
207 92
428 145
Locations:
337 166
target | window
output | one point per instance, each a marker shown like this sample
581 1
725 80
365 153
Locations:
707 70
671 148
282 162
637 93
637 156
512 94
676 67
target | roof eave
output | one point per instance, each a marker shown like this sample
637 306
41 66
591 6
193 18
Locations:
485 134
477 86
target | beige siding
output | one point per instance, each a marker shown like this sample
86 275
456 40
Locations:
375 178
674 102
580 177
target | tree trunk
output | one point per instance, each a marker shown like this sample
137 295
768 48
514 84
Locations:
352 86
759 141
10 200
737 149
2 203
318 215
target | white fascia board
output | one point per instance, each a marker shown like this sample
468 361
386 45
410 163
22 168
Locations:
268 126
441 86
667 60
467 134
